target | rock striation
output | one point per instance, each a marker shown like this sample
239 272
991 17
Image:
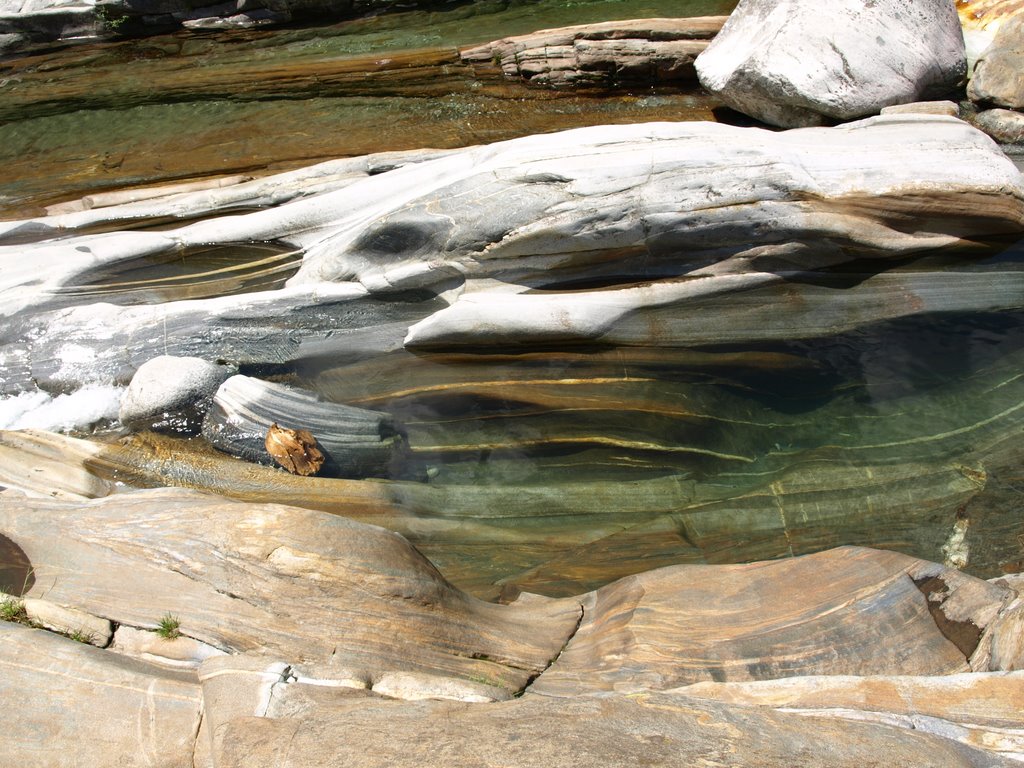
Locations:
535 213
282 581
617 53
777 62
355 442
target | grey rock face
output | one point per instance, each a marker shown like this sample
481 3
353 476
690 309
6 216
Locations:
790 63
1004 125
734 207
999 74
171 393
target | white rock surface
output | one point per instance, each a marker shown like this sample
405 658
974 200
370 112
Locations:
791 63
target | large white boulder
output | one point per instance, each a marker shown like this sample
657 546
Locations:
792 63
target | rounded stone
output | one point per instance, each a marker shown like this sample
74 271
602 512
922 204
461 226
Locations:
1004 125
171 393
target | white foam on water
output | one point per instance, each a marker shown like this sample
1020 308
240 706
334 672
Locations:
76 411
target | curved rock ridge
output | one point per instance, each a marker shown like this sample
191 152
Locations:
355 442
697 199
879 610
776 61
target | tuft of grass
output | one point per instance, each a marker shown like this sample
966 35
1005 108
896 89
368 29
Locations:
80 636
169 627
12 609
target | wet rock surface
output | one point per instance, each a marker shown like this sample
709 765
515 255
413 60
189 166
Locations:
171 393
354 442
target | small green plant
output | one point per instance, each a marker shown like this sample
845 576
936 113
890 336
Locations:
169 627
12 609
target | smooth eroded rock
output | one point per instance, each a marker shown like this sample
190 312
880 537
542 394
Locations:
981 710
67 703
293 583
601 731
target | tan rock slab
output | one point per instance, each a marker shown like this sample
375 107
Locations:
92 629
982 710
593 731
181 652
947 108
68 704
294 583
847 611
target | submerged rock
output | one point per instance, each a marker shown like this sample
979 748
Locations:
355 442
779 61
